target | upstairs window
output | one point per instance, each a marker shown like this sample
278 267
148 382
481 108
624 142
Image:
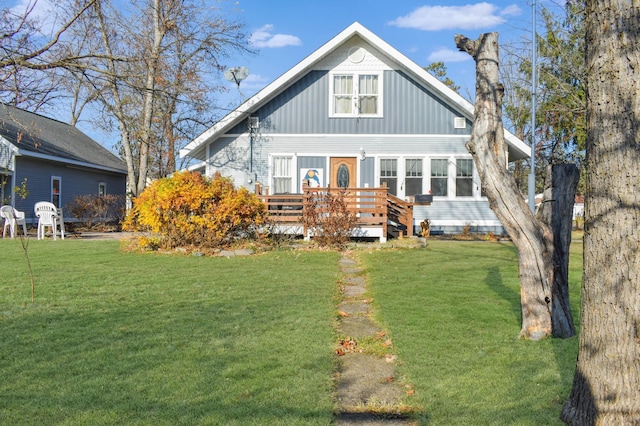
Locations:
356 95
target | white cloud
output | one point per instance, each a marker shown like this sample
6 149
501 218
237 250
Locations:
448 55
513 10
468 17
264 37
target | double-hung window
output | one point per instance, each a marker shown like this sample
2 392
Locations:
282 176
439 176
356 95
389 174
464 177
413 176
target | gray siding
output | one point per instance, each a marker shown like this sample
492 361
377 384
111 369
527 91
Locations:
75 182
368 173
458 214
408 108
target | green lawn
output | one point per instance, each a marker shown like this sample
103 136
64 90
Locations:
152 339
165 340
453 310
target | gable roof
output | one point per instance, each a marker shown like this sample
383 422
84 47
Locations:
38 136
196 148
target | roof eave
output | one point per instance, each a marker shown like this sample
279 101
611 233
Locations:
85 164
286 79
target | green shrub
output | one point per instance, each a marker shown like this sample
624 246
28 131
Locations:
189 209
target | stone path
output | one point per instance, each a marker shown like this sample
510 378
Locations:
367 390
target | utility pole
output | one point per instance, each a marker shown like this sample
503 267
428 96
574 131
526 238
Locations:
534 54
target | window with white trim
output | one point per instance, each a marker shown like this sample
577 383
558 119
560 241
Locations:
439 176
102 189
413 176
389 174
282 176
464 177
56 190
356 95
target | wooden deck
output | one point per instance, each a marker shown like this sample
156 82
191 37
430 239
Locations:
377 212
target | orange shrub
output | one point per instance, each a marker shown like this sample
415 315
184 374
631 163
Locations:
189 209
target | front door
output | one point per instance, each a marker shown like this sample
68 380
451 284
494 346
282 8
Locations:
343 172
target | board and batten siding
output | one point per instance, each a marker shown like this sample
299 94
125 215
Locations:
408 108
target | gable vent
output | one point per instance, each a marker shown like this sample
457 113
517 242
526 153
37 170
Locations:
459 123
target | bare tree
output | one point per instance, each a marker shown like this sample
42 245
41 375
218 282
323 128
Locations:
30 53
606 386
532 238
163 59
149 70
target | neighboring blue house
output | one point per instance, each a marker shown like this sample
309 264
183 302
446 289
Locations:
58 161
357 112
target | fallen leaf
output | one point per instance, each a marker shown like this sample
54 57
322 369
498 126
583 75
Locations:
367 301
390 358
339 352
380 334
410 392
390 379
343 314
387 343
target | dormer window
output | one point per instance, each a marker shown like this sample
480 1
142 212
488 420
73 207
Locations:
356 95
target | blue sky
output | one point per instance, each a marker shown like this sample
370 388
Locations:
285 32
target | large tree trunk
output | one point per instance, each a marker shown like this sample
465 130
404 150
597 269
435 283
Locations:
606 386
533 239
557 212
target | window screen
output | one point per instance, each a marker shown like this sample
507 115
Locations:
413 176
439 177
464 177
389 174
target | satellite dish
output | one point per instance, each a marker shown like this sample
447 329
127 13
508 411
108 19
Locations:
236 74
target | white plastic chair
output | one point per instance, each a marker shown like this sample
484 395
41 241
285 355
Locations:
48 216
12 218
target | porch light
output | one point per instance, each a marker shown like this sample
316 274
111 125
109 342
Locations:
363 154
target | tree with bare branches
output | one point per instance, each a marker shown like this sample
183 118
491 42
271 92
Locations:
544 309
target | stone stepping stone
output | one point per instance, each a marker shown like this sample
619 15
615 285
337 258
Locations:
354 308
358 327
366 379
353 291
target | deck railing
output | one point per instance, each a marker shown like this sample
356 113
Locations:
372 207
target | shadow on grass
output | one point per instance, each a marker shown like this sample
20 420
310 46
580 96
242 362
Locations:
109 367
494 281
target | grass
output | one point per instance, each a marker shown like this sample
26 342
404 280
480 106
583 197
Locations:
165 340
453 310
150 339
